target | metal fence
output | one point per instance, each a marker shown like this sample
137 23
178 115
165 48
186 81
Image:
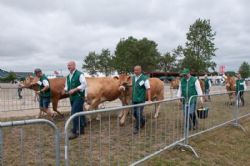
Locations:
107 143
29 142
218 112
12 100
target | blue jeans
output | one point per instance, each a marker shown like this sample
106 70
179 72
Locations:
44 102
138 114
78 122
191 118
207 93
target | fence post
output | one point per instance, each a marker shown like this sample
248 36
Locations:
34 121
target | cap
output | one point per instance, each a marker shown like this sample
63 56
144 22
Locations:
185 71
37 71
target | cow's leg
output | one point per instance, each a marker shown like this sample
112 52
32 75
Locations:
123 118
158 106
94 106
55 105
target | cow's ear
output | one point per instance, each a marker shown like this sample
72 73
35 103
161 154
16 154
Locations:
129 78
116 77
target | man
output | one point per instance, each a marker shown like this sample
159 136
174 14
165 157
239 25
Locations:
189 86
140 86
240 87
19 90
43 92
75 86
207 88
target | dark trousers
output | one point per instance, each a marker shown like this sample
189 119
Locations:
19 90
138 114
78 122
241 97
191 119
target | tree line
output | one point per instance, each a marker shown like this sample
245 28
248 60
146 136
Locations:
197 54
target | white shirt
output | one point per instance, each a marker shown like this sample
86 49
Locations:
146 83
44 82
197 88
82 80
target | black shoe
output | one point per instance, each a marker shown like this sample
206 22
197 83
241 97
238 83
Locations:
143 124
81 131
135 131
72 136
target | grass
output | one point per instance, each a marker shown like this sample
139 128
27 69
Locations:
224 146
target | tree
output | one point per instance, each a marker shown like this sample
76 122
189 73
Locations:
244 70
11 77
131 52
105 62
167 62
91 63
200 48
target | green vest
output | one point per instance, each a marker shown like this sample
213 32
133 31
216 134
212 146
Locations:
206 84
47 92
74 83
239 85
139 91
188 88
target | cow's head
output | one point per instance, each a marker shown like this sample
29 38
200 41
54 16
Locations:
230 83
30 82
124 81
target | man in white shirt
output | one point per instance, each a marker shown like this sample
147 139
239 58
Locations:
140 87
75 86
189 86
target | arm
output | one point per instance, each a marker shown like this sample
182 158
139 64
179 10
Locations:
46 86
80 87
198 90
147 86
245 86
179 91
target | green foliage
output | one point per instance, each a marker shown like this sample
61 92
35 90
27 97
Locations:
168 62
91 63
131 52
244 70
11 77
105 62
94 63
200 48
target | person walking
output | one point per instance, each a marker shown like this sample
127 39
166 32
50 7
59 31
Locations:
43 93
240 88
189 86
207 88
140 87
75 86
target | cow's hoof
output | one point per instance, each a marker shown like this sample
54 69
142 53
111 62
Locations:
121 124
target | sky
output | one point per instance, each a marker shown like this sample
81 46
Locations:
47 34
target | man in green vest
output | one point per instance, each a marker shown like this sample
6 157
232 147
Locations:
75 86
140 86
240 87
189 86
207 88
43 92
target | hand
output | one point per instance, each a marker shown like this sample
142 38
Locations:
72 91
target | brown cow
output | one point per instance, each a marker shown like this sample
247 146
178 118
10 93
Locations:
202 84
174 84
56 87
230 86
99 90
156 88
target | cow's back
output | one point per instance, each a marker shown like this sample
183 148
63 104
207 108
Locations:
157 88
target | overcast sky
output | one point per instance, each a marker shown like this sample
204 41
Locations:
48 33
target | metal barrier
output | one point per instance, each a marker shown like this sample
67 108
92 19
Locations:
33 149
217 113
12 100
105 142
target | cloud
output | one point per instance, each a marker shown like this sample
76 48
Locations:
48 33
